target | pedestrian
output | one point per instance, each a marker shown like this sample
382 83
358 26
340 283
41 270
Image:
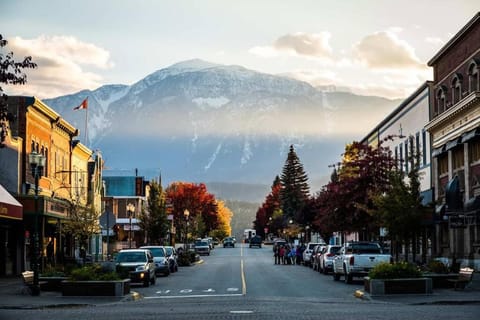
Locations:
293 255
50 252
281 253
276 253
298 255
287 255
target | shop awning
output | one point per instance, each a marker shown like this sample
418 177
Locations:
470 135
438 151
453 143
10 208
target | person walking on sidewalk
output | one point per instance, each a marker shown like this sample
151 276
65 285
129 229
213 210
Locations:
276 253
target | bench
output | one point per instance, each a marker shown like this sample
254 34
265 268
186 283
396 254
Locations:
27 277
465 276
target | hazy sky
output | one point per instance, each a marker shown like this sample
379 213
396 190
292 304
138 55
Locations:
377 47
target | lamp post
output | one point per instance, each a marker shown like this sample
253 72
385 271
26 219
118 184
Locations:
37 163
186 214
130 210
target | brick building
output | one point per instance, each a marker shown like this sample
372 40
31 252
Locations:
455 133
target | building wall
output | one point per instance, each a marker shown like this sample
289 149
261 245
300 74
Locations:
409 120
456 146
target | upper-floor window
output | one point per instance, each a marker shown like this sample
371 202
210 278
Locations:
458 158
441 102
442 164
473 76
456 88
474 151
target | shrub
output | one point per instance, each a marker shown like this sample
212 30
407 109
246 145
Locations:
93 272
185 259
437 267
394 271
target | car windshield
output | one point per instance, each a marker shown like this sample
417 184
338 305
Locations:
169 251
334 250
201 243
131 257
157 252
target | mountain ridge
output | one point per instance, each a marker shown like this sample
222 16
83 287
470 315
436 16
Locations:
201 121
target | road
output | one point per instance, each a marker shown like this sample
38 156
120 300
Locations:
244 283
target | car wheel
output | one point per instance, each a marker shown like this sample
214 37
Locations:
348 277
167 273
336 276
146 282
324 270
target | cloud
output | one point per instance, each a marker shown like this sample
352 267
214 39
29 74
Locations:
314 45
62 65
384 50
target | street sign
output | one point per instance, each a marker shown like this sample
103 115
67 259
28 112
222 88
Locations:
107 218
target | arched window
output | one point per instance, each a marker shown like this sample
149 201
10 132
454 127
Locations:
441 102
456 88
473 76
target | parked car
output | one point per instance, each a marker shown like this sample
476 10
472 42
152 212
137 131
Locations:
356 259
228 242
139 264
172 258
202 247
316 254
307 254
326 258
255 241
161 261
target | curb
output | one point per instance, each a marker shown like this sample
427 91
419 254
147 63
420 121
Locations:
359 294
135 296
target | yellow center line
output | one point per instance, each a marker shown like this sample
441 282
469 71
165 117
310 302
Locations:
244 283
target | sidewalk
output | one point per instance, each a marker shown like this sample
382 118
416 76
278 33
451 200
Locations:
470 295
14 296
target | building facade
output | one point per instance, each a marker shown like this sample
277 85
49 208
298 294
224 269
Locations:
455 136
125 198
403 131
65 178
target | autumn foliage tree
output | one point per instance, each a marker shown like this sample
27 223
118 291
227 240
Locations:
224 228
345 203
201 205
269 214
11 72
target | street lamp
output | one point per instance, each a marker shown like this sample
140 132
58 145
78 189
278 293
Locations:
37 163
186 214
131 211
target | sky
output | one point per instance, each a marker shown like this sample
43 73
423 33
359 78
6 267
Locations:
369 47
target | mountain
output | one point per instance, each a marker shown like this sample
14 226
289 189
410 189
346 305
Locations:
200 121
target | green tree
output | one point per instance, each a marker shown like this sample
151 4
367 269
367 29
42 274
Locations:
295 190
83 223
400 208
153 219
11 72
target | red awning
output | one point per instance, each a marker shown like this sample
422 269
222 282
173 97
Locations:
10 208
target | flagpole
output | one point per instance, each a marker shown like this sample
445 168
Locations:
86 127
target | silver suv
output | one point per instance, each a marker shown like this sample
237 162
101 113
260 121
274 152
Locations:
139 264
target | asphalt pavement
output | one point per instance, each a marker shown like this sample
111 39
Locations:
14 295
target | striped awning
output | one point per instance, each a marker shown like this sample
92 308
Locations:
10 208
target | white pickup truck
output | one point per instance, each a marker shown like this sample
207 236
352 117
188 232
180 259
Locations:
356 259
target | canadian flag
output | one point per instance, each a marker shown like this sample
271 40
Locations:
83 105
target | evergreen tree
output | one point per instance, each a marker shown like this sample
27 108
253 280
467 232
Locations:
295 191
154 220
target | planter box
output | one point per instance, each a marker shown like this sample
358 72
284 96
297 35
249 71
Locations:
440 280
51 283
96 288
398 286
